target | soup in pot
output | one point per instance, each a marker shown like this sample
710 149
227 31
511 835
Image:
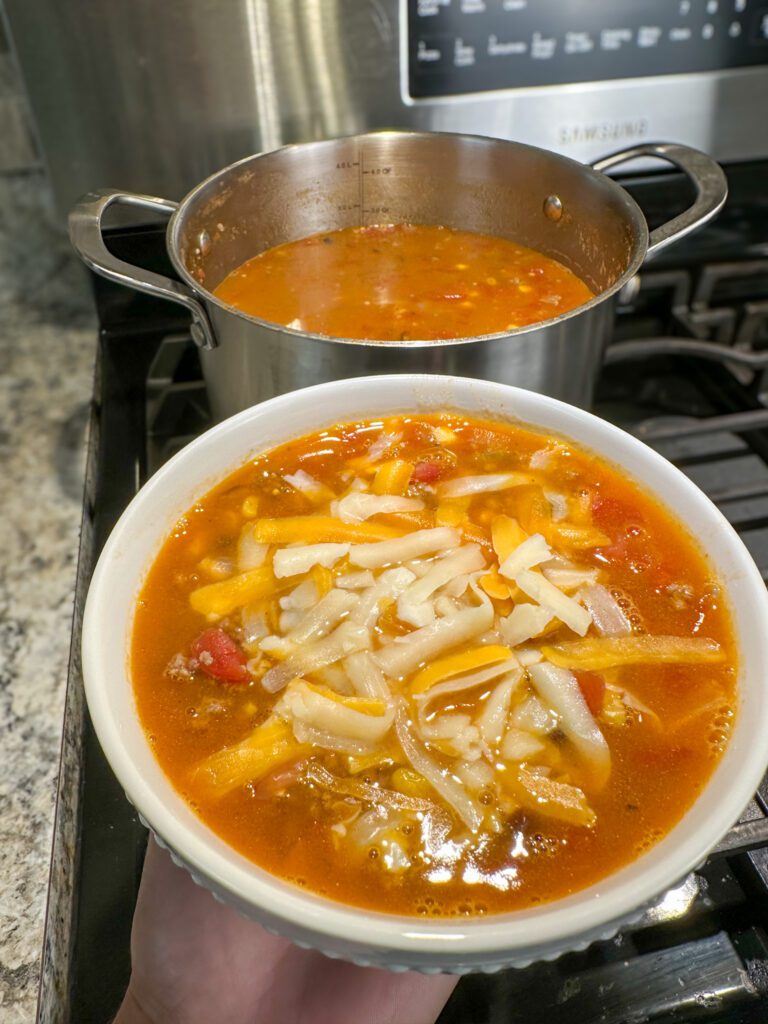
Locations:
434 665
402 282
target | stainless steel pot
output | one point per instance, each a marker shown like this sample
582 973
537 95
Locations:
564 209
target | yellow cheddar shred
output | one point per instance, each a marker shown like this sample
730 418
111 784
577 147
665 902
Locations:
219 599
319 530
365 705
458 664
579 537
598 653
214 569
506 534
267 747
323 579
532 510
475 534
392 477
494 586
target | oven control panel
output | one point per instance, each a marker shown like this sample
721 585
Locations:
459 47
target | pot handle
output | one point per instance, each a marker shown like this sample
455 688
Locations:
705 173
85 233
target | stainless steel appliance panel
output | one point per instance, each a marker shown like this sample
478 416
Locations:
153 97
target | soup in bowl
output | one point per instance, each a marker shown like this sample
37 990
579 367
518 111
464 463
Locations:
429 672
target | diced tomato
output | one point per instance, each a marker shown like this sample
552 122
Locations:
219 656
426 472
592 687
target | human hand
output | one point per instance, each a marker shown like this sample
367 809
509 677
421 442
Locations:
196 961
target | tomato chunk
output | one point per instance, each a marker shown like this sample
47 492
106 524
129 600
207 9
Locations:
219 656
592 687
426 472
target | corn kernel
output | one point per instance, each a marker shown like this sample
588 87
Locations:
251 506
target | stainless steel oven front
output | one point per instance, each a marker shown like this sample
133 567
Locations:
154 97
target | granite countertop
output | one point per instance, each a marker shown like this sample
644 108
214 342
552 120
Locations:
47 349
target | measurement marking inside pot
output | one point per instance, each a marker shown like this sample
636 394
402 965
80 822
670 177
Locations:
360 186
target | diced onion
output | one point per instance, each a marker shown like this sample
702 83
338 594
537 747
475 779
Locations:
607 614
307 485
382 444
559 504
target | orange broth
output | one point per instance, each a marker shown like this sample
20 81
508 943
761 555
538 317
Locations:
398 282
663 748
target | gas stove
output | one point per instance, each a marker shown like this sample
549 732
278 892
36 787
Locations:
687 371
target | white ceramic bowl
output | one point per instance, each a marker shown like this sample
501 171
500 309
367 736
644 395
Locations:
361 935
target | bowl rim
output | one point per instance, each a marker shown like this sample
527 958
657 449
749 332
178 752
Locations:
418 939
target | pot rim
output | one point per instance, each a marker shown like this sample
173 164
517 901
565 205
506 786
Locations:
634 215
